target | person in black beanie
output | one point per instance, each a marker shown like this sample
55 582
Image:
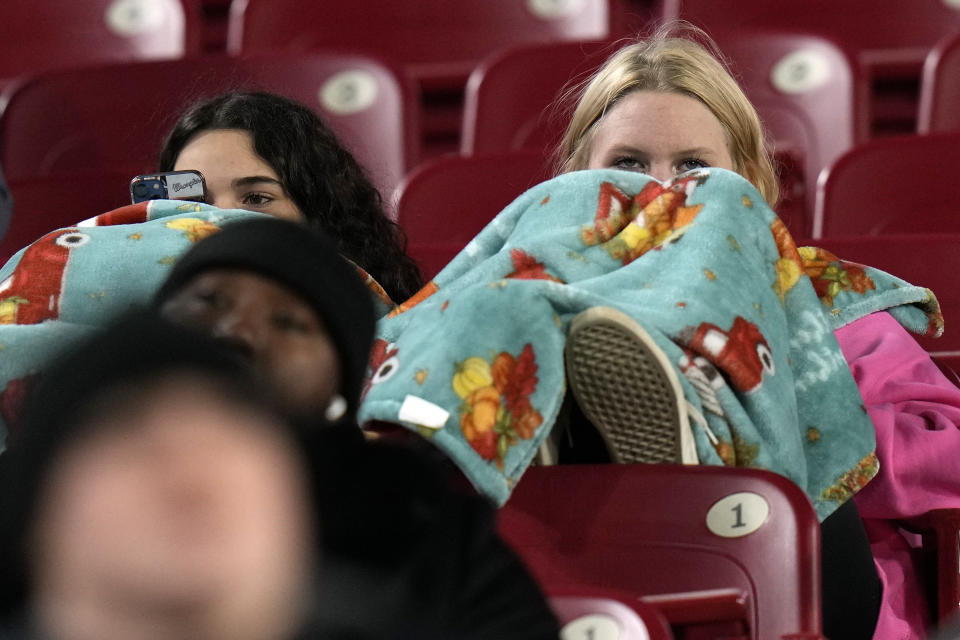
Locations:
406 553
156 492
280 295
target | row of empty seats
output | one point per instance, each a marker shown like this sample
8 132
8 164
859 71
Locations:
877 32
812 83
436 43
879 35
434 37
114 116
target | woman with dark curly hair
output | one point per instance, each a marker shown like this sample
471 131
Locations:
264 152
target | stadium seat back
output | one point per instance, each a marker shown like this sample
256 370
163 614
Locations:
66 33
889 29
42 204
513 98
888 41
803 88
118 115
940 88
430 38
703 544
903 184
443 204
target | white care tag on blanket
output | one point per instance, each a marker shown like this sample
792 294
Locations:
422 412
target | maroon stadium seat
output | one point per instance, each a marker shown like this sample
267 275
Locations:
888 38
732 549
45 203
435 42
940 88
929 260
433 39
879 30
513 97
444 203
117 115
803 88
68 33
903 184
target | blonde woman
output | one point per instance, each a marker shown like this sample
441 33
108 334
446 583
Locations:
666 105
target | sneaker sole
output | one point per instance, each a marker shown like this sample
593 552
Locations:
626 387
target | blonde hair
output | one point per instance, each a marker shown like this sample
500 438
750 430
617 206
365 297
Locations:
673 63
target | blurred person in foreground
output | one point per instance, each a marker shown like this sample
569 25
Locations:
156 493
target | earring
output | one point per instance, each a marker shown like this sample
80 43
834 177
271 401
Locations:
336 409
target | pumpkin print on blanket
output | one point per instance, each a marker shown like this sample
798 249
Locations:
496 410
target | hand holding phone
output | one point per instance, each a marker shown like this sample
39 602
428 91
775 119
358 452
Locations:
169 185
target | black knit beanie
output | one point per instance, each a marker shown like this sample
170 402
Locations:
307 263
133 352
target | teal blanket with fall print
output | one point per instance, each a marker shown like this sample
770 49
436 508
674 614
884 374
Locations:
474 362
73 280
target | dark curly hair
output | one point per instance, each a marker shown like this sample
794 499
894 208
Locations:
322 178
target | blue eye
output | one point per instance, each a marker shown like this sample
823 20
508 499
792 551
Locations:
691 163
628 163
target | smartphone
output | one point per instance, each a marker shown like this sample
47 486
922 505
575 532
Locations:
169 185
